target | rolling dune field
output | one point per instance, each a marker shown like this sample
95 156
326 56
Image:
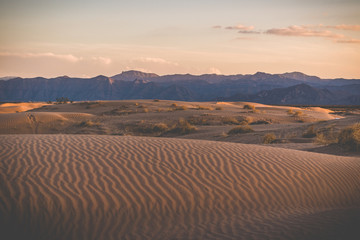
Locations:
124 187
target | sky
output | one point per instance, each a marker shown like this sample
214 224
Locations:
86 38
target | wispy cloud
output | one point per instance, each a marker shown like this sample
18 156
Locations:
304 32
345 27
249 32
102 60
217 27
240 27
350 40
155 60
64 57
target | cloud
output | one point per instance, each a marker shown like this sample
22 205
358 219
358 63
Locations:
240 27
214 71
345 27
351 40
248 32
155 60
303 31
64 57
217 27
102 60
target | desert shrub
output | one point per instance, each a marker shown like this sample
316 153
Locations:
240 129
62 100
156 100
269 138
229 120
203 108
148 128
160 127
145 110
290 112
180 108
310 132
182 127
298 113
49 102
219 108
173 105
248 120
349 138
136 104
89 123
249 106
199 121
262 121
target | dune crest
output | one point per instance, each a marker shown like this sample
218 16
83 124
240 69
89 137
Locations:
112 187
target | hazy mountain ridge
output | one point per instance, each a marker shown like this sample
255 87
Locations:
287 88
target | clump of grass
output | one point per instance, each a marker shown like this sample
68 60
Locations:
199 120
240 129
89 123
262 121
229 120
326 136
182 127
349 138
249 106
298 113
145 110
310 132
290 111
156 100
136 104
219 108
269 138
203 108
173 105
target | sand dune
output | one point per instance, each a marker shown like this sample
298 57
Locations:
19 107
37 122
112 187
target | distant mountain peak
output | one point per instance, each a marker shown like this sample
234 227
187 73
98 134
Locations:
133 75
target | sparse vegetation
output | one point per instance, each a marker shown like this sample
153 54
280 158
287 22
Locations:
290 111
89 123
298 113
269 138
310 132
156 100
349 138
262 121
62 100
249 106
229 120
203 108
182 127
219 108
240 129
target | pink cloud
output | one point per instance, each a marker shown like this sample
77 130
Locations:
217 27
351 40
240 27
345 27
303 31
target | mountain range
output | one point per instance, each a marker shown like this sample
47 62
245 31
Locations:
287 88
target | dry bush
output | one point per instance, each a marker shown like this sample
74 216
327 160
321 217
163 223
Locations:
180 108
310 132
240 129
145 110
153 129
229 120
262 121
298 113
203 108
269 138
219 108
199 121
136 104
89 123
349 138
156 100
249 106
256 111
290 111
182 127
173 105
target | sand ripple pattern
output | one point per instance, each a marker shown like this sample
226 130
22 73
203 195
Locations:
116 187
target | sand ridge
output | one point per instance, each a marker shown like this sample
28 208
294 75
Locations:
113 187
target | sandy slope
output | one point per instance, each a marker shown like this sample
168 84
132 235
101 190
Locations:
112 187
20 107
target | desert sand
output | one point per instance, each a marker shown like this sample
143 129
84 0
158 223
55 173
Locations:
126 187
